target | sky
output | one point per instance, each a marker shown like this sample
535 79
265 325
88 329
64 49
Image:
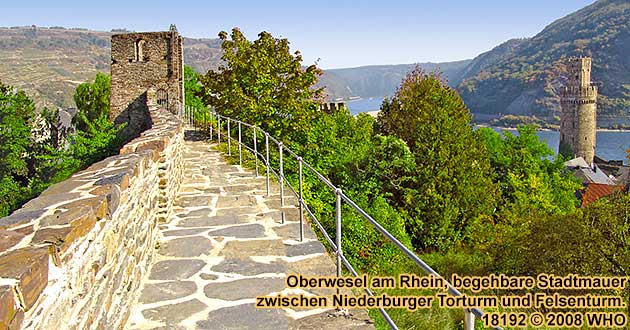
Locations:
337 33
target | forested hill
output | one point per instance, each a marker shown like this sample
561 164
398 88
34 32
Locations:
381 80
49 63
523 76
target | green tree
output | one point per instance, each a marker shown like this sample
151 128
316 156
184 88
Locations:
526 175
50 159
96 136
263 83
97 141
192 88
92 100
591 241
345 149
16 115
450 187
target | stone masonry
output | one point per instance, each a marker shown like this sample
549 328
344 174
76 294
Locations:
223 246
145 67
73 257
578 122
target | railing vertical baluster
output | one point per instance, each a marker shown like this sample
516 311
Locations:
211 129
338 232
229 138
280 149
240 154
267 160
469 320
301 200
256 151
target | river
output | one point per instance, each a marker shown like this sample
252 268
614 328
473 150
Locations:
610 144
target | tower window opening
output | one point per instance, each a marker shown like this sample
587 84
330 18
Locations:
162 98
139 51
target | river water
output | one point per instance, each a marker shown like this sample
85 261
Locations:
610 144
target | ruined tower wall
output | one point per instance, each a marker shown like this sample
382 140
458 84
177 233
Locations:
578 125
143 65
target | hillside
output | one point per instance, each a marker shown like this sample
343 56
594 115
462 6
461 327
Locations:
520 76
48 63
380 80
523 76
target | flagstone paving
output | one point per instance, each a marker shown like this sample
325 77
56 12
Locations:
225 245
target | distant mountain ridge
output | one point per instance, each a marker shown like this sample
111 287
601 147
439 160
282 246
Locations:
523 76
380 80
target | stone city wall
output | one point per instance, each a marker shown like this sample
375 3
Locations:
73 257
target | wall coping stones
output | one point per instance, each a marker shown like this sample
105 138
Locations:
43 234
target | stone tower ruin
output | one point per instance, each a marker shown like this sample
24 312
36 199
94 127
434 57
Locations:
578 122
147 69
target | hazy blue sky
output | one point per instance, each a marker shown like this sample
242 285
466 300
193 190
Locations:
341 33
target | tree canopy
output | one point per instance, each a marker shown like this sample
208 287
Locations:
37 150
527 176
263 83
449 187
17 113
92 100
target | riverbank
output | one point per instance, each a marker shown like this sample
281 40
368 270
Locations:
555 129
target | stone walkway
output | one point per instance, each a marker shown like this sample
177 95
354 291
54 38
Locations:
224 246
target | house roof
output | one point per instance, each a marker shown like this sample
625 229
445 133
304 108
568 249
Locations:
595 175
595 191
587 173
576 162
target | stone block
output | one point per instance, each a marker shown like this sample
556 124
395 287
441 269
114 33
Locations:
29 266
10 314
62 218
8 239
20 217
63 237
158 144
112 193
120 179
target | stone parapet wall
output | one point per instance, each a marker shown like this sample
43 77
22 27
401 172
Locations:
73 257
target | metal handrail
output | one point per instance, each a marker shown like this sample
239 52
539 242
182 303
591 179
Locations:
340 198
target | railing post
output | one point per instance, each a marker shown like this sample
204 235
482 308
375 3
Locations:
211 129
280 149
256 151
469 320
267 160
240 154
338 232
229 137
219 128
301 200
